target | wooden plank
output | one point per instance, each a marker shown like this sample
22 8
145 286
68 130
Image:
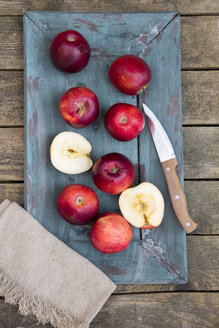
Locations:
200 97
200 94
10 318
11 95
181 310
197 52
200 153
198 193
202 264
11 154
12 191
17 7
132 31
163 97
11 40
193 310
200 46
43 181
202 198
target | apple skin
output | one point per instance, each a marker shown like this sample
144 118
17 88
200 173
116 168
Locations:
148 227
130 74
77 204
124 121
79 107
113 173
70 51
111 233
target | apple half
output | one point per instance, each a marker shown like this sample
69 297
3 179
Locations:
142 206
70 153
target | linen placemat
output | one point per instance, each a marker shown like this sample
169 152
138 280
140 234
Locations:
43 276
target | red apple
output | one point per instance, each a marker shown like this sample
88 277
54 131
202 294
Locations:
130 74
111 233
113 173
70 51
79 107
78 204
124 121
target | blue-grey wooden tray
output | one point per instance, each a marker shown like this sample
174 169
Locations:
154 256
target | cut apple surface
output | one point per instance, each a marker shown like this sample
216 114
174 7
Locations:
142 206
69 153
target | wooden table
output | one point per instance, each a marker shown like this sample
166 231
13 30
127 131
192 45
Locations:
138 306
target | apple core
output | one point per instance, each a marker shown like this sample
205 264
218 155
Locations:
141 207
71 151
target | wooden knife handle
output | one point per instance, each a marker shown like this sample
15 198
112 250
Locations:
177 195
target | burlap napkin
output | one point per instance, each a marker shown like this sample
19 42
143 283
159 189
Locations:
44 276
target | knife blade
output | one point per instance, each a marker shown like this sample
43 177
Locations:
169 164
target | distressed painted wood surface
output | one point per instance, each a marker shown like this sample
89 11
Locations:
193 310
203 141
159 257
187 7
163 97
199 48
200 97
202 267
200 106
202 198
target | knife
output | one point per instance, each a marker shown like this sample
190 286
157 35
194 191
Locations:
169 164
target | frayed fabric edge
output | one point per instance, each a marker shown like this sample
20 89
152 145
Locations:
29 304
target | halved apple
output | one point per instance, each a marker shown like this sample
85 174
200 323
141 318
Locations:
142 206
69 153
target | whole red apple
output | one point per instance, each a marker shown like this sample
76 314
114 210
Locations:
79 107
70 51
111 233
130 74
113 173
77 204
124 121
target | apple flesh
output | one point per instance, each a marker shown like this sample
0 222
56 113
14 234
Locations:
70 51
69 153
77 204
111 233
79 107
124 121
113 173
142 206
130 74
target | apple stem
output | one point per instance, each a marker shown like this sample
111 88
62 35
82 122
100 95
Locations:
71 38
81 110
145 218
114 170
143 88
123 119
